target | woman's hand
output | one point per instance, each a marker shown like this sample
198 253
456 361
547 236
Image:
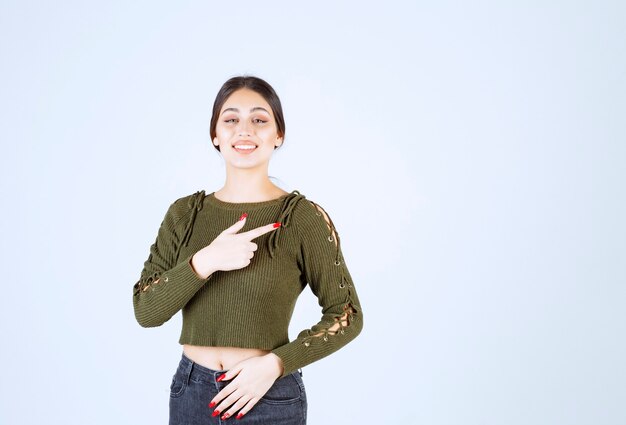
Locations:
253 378
229 250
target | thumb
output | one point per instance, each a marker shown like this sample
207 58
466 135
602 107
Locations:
237 226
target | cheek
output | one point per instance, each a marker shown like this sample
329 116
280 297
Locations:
221 130
223 135
268 134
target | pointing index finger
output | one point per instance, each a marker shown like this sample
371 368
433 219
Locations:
261 230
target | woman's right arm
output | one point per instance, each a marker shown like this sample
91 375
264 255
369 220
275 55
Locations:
165 285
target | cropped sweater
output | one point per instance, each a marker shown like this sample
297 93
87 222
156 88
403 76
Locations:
251 307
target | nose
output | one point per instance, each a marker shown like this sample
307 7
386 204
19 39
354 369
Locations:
243 128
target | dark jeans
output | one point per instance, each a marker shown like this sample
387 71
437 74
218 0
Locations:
193 386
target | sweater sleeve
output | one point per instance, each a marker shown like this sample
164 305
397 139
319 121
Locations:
321 260
166 284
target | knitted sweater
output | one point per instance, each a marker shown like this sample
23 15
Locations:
251 307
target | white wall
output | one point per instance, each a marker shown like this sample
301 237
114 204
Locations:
472 156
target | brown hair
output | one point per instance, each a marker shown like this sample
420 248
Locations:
253 83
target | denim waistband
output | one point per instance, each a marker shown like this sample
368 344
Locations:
189 366
203 373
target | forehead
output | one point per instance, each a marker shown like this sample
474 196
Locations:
246 101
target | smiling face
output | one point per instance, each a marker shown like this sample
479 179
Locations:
246 119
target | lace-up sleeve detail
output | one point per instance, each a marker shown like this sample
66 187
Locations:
166 284
322 262
284 219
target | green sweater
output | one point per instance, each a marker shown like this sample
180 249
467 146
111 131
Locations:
251 307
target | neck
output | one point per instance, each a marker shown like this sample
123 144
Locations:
244 187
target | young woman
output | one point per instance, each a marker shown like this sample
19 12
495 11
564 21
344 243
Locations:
234 262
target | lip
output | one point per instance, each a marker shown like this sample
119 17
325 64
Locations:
245 142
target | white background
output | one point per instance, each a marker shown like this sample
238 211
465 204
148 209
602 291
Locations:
471 155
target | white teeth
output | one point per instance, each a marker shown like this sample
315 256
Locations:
245 147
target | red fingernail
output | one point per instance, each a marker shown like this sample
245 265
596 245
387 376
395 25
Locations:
239 416
276 225
222 376
215 413
244 215
212 404
225 415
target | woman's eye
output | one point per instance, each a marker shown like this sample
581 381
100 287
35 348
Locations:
258 120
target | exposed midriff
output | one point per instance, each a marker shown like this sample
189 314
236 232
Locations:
220 358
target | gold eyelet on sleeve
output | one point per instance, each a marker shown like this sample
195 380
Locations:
350 310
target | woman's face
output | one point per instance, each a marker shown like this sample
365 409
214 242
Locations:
246 118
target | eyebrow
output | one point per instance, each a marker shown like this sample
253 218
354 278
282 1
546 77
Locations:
251 110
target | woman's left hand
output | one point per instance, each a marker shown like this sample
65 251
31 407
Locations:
253 378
